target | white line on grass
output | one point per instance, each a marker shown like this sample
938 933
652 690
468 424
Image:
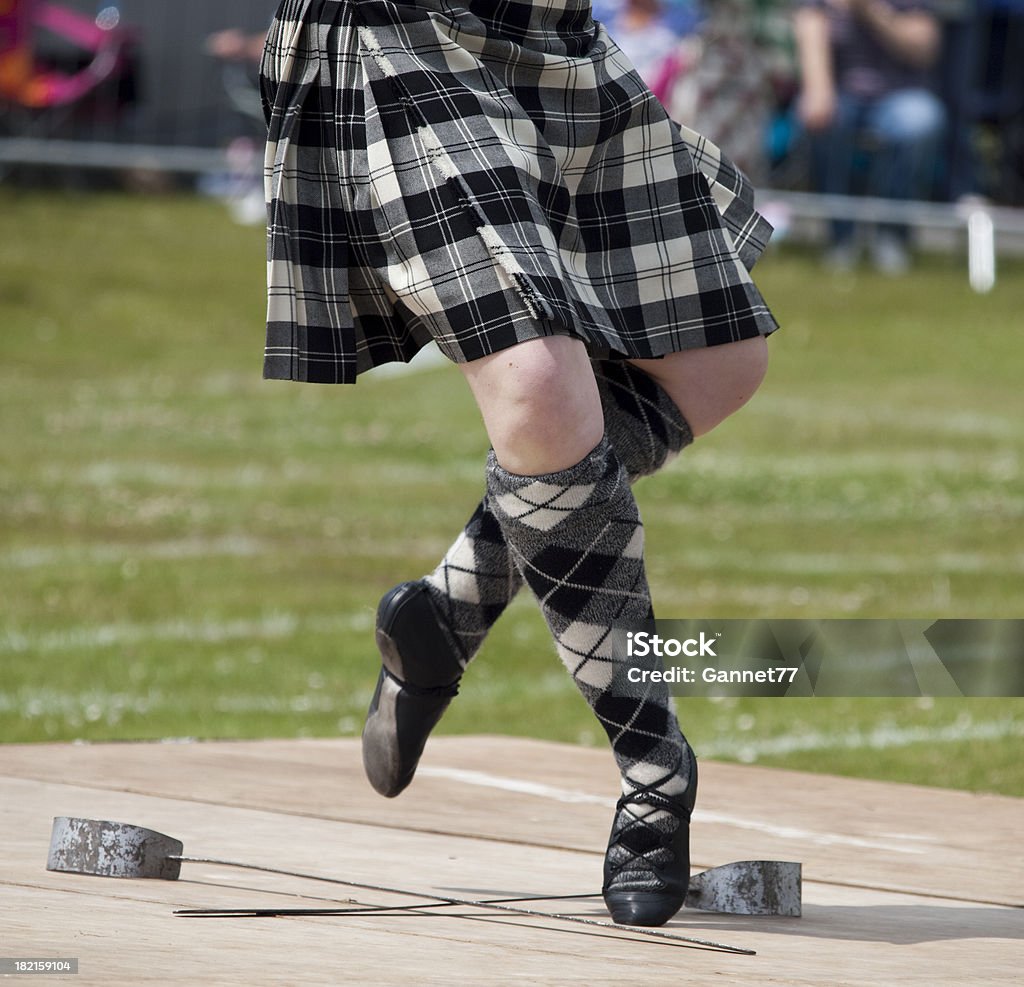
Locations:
95 705
714 559
841 563
937 419
34 556
271 626
909 464
105 473
988 470
883 737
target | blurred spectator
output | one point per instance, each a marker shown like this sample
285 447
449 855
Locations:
241 185
709 64
961 43
642 30
982 82
234 45
733 77
875 123
683 16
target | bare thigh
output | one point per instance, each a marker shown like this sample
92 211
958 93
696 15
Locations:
709 384
542 410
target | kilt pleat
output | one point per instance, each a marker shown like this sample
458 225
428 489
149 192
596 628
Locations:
480 174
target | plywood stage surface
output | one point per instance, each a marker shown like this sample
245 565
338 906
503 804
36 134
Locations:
902 885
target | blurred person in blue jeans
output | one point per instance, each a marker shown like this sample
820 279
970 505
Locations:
642 30
983 86
876 125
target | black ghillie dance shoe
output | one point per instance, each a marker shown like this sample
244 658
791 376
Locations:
647 865
419 677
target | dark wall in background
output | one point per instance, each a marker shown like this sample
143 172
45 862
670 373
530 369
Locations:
181 90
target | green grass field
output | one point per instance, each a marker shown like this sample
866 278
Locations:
187 550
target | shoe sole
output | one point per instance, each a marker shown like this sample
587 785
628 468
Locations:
401 716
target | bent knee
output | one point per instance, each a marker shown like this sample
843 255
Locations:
540 404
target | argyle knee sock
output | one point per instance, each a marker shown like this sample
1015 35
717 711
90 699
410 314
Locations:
643 424
473 583
576 537
476 579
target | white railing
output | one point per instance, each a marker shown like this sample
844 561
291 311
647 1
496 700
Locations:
983 225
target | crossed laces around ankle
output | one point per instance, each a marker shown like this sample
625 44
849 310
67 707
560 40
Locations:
642 843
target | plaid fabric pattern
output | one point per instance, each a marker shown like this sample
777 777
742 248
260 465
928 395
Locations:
577 538
483 173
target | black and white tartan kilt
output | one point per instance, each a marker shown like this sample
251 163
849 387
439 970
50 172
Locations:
480 174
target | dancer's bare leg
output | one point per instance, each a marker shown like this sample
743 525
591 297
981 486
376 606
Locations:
539 402
711 383
563 501
542 406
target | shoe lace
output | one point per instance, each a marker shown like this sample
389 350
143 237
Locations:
627 820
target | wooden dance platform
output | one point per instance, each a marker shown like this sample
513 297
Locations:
901 884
